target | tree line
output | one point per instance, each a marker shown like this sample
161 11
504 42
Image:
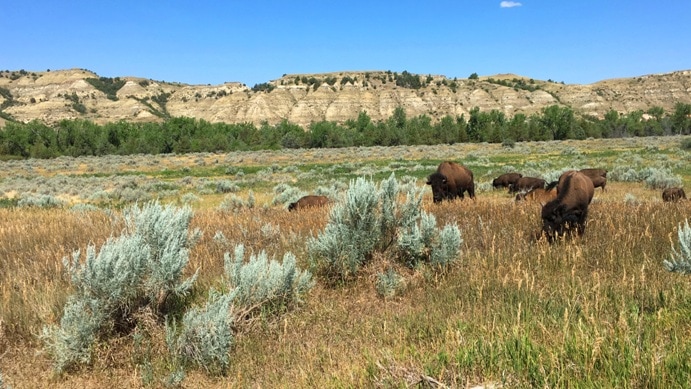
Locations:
78 137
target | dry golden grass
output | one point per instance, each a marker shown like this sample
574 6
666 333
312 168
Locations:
583 303
597 311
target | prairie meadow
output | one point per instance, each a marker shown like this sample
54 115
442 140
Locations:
512 311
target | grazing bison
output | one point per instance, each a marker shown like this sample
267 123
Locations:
598 176
506 180
308 202
450 181
541 195
673 194
570 209
525 184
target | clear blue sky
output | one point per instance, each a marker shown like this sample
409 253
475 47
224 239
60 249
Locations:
255 41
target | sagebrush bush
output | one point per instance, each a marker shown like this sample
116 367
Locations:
226 186
660 178
205 336
143 267
165 230
372 219
106 286
351 234
389 283
264 282
40 201
681 260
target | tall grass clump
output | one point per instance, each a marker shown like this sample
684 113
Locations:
681 260
370 220
138 269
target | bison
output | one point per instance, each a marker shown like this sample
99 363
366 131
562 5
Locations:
598 176
541 195
570 209
506 180
451 180
673 194
525 184
308 202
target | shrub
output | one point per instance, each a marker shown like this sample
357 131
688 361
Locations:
681 260
371 220
660 178
265 282
351 233
389 283
165 229
143 267
685 144
226 186
234 203
106 287
40 201
205 337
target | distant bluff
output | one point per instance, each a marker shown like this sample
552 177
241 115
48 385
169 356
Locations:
54 95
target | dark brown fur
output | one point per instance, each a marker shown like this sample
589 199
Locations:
598 176
451 180
506 180
525 184
308 202
569 210
673 194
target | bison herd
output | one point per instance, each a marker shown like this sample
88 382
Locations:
564 202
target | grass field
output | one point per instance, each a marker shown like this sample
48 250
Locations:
599 311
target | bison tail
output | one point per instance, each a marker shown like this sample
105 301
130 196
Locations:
551 185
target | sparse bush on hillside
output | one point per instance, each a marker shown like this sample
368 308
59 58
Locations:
109 86
681 260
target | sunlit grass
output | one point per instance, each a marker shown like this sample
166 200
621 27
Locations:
596 311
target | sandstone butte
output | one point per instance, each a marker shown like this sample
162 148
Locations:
51 96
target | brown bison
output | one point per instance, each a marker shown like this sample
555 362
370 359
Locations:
451 180
673 194
541 195
506 180
308 202
569 210
525 184
598 176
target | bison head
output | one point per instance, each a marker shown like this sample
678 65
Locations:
440 187
557 221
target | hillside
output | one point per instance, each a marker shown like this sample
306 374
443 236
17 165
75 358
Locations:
77 93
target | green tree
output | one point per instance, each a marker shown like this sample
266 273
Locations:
559 121
681 119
